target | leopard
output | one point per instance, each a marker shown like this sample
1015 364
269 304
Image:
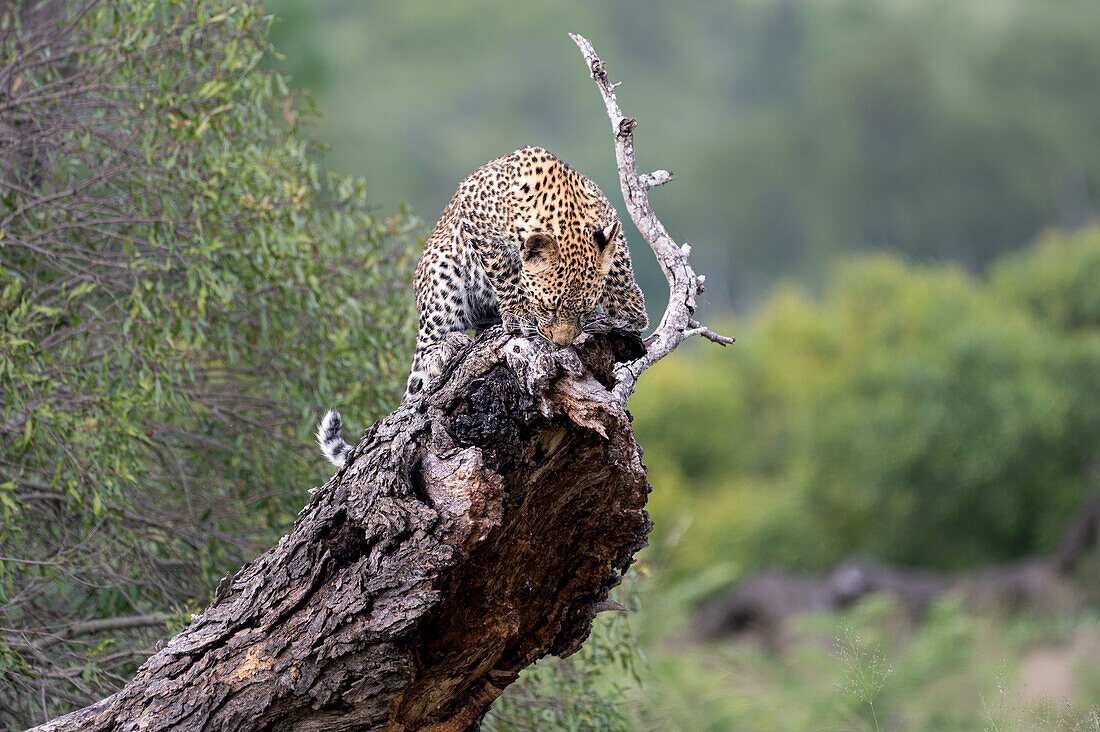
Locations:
527 242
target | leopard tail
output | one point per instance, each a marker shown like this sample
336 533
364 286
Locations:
330 439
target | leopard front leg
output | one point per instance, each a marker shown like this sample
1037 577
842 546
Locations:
516 317
500 263
443 310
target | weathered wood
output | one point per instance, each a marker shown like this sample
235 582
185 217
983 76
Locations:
678 321
471 532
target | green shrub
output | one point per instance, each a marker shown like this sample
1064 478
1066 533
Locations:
1056 280
954 670
914 413
182 290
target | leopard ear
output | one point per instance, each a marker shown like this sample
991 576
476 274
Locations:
606 236
605 246
539 251
612 232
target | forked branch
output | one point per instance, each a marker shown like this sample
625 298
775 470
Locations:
678 321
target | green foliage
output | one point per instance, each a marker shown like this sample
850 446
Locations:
954 670
587 691
913 413
1056 281
182 290
865 669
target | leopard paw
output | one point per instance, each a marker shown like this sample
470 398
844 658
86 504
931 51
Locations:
429 364
416 382
455 342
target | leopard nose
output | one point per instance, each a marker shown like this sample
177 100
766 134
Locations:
564 336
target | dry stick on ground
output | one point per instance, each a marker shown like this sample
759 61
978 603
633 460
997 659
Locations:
476 529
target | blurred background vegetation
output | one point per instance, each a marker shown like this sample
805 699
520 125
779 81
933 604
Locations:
799 130
892 200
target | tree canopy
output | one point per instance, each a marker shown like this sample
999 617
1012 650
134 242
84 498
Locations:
799 130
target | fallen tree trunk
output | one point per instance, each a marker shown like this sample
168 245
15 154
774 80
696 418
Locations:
471 532
763 603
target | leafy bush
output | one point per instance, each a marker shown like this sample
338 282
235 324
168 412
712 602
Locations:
182 288
799 129
1056 280
914 413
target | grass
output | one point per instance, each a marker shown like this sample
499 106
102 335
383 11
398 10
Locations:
872 668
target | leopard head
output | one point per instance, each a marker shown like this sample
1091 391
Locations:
564 279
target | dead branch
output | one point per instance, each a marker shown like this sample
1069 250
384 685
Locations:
761 604
471 532
678 322
88 627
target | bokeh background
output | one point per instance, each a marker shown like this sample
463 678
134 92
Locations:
894 204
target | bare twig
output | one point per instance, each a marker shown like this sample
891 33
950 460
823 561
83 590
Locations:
95 626
677 322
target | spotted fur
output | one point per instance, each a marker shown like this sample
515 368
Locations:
528 241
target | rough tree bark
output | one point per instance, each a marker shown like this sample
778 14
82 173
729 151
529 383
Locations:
476 529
